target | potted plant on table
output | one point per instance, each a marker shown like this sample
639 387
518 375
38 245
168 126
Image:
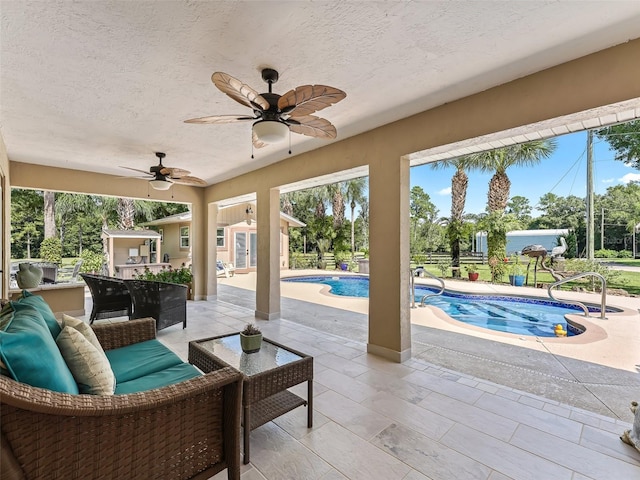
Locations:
516 273
472 272
250 339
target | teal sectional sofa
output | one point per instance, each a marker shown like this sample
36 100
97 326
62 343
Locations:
108 401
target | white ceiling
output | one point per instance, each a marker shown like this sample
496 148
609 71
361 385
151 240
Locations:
94 85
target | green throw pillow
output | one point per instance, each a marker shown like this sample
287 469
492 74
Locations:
30 353
89 366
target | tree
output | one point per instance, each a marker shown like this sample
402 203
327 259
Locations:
625 140
355 194
424 232
498 161
520 207
49 214
459 184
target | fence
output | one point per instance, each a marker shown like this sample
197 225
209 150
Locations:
299 261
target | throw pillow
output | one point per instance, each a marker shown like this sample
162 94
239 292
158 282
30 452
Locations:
89 367
83 328
40 304
29 352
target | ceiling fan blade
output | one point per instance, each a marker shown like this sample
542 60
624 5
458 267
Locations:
186 180
137 170
306 99
220 119
240 92
256 141
174 172
312 126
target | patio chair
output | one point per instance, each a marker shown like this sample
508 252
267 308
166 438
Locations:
166 302
226 269
110 297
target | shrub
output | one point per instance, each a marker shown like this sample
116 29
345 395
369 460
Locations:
91 261
180 275
341 257
51 250
443 265
498 268
625 254
605 253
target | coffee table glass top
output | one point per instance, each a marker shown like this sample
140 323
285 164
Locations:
269 356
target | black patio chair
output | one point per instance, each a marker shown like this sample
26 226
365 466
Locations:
110 297
166 302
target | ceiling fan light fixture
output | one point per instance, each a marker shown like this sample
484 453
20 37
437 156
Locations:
160 184
270 131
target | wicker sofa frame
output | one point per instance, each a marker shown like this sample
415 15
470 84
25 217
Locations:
166 302
109 295
189 430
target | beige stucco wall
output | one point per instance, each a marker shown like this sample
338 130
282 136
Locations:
596 80
5 218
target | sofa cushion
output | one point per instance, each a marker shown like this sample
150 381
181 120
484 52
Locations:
30 353
40 304
89 366
140 359
168 376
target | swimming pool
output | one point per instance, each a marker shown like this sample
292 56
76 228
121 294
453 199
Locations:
518 315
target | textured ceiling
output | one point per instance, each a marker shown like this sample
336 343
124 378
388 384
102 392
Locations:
94 85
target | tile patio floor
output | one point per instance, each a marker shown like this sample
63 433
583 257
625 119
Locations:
376 419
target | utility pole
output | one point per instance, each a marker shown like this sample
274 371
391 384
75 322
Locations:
590 222
602 228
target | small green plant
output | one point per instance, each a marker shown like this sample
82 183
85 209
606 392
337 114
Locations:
51 250
251 329
341 257
182 275
443 265
471 268
516 267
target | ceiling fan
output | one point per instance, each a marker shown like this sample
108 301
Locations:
164 177
276 115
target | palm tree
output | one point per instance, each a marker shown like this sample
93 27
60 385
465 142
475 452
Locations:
336 193
459 183
498 161
49 214
355 190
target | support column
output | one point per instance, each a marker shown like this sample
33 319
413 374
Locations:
389 312
268 272
199 230
212 252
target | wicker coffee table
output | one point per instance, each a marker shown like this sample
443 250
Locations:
267 376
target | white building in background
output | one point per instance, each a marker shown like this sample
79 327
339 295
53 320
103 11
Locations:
518 239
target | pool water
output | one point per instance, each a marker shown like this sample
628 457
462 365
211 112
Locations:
518 315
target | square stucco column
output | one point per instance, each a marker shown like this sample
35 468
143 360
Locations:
389 310
268 272
199 232
212 252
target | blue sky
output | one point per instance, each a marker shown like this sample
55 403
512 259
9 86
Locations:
563 174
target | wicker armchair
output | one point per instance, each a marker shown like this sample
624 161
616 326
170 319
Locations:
188 430
110 297
166 302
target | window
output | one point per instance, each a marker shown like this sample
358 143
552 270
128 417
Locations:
220 237
184 237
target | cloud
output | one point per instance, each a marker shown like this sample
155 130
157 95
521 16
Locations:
445 191
608 180
630 177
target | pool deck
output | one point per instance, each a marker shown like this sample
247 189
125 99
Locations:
597 371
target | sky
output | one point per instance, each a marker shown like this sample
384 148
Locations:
564 174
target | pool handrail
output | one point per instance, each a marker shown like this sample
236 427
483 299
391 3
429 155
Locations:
413 287
603 299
